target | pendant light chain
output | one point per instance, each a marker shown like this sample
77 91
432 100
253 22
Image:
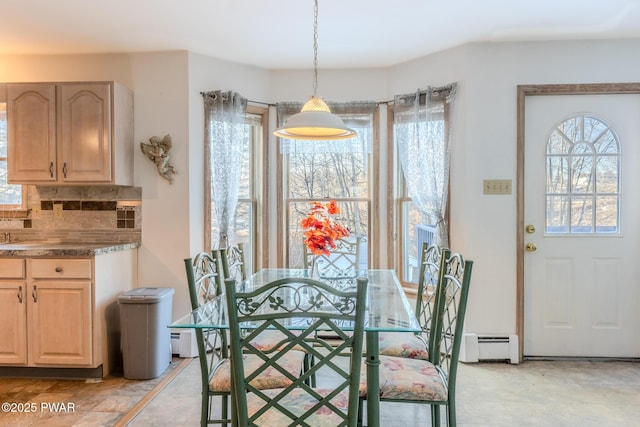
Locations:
315 48
315 120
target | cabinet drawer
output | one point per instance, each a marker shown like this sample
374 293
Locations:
12 269
61 268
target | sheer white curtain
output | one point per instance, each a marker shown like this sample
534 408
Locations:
225 135
422 123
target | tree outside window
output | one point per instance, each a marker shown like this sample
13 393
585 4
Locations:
329 170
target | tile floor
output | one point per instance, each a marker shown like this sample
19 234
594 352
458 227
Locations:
55 402
534 393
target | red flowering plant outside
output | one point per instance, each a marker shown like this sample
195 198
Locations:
322 230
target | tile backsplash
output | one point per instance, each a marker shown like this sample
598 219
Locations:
79 214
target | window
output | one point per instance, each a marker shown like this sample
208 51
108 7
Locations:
421 123
416 229
11 196
325 170
245 222
583 169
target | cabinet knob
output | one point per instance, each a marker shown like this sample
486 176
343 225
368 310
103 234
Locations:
59 270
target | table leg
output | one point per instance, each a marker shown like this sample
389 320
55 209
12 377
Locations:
373 384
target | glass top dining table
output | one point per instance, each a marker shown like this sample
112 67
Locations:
388 309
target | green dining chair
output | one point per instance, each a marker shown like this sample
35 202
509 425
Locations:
433 382
339 268
205 288
234 266
234 263
416 345
299 308
342 262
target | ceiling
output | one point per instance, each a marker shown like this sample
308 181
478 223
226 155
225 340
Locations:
278 34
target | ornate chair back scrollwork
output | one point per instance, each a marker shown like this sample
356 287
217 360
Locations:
416 346
213 351
205 284
233 262
342 262
298 308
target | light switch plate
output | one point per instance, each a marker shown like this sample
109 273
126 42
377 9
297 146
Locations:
57 210
496 186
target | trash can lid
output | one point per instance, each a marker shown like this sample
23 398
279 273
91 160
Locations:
145 295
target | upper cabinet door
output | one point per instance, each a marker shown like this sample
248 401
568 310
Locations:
31 132
85 132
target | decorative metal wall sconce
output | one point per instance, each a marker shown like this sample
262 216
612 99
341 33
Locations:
157 150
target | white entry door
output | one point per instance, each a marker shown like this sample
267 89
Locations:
582 264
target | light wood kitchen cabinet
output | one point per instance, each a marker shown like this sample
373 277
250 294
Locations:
61 311
70 133
46 316
13 313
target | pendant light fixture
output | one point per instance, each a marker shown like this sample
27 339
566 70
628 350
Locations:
315 120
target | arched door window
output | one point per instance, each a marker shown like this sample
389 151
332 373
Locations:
583 177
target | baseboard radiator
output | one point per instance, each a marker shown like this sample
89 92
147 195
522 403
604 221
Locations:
183 343
478 348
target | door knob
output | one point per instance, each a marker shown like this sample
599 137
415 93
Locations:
530 229
531 247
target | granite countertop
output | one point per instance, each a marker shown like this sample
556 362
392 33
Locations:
67 249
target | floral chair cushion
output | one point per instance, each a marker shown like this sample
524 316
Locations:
221 379
407 379
269 339
402 344
298 402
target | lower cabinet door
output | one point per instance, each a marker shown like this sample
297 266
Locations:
60 323
13 323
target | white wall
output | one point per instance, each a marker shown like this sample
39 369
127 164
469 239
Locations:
483 227
161 106
167 88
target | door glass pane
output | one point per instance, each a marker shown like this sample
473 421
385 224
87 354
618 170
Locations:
558 143
581 214
557 214
607 174
558 174
606 143
583 177
606 210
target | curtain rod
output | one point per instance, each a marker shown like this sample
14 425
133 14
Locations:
436 89
248 100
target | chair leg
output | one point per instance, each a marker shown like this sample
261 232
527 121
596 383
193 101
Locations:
224 412
204 412
307 363
451 414
435 415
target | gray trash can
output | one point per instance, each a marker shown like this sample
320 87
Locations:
145 314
